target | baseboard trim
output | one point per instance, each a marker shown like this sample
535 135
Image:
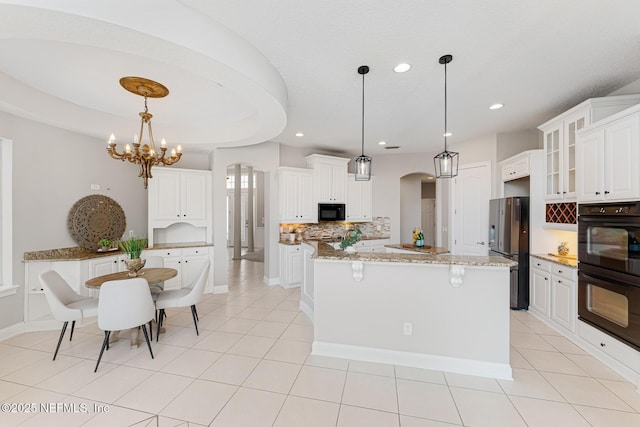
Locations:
308 311
271 281
220 289
415 360
12 331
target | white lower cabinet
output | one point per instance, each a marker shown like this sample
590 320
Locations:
609 347
553 292
188 262
291 265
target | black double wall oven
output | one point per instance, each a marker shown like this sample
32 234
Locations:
609 269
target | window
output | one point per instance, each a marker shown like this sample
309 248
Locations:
6 225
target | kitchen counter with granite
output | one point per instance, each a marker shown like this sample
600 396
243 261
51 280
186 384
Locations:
325 251
569 260
79 254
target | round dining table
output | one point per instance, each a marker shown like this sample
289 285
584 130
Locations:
152 275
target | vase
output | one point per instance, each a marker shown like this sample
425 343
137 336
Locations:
134 265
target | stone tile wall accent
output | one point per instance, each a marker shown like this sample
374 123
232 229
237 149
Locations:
335 230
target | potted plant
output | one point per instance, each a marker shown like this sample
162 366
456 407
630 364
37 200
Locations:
133 247
105 244
351 237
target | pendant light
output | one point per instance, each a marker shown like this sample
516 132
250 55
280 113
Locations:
362 163
446 163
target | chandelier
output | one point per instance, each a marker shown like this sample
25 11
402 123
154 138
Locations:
147 155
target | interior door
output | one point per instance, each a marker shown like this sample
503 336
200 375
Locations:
471 191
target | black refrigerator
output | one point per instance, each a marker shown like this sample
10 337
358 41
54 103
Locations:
509 237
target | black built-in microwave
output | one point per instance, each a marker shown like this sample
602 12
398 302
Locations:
331 211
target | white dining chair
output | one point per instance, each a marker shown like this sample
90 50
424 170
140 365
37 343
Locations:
185 297
154 261
65 304
124 304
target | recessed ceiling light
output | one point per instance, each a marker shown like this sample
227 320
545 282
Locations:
496 106
299 134
382 143
447 134
429 177
402 68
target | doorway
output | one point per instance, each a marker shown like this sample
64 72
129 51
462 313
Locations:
244 209
418 207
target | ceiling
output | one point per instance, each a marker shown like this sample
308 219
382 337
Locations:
244 72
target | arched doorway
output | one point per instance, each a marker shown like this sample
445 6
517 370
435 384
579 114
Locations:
418 206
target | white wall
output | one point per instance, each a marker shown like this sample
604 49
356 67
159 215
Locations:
53 169
511 143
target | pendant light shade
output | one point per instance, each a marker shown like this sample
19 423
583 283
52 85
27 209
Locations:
362 163
446 163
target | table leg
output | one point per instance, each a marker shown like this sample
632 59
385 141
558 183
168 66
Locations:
134 338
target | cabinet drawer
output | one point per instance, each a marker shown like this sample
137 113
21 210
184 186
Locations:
609 345
195 251
563 272
163 252
540 264
294 248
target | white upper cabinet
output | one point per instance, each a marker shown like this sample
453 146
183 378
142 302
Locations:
179 196
608 153
330 178
559 135
296 201
515 167
358 199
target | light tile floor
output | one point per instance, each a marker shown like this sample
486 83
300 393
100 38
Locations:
251 366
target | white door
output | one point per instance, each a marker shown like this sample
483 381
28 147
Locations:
471 191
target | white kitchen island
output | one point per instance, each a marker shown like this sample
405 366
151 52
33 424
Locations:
440 312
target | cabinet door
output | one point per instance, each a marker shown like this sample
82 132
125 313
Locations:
367 191
294 265
339 184
288 189
323 183
621 157
508 171
164 196
173 262
590 174
307 209
102 266
191 267
193 190
571 125
552 141
563 303
354 199
540 291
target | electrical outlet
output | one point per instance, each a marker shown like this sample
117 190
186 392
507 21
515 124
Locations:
408 328
130 233
95 186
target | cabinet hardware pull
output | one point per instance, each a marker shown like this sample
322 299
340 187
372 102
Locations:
602 344
597 192
606 192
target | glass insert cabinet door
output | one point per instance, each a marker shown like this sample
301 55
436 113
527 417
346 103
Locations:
552 145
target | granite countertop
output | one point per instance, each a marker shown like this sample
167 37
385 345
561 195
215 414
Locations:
569 260
432 250
79 254
325 251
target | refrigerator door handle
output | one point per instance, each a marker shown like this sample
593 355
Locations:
480 243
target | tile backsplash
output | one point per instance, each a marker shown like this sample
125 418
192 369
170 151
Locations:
378 228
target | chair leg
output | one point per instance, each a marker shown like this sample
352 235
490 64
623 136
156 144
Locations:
151 329
64 328
73 325
160 317
146 337
196 312
194 315
105 344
